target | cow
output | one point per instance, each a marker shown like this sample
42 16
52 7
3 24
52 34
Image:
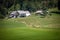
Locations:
19 13
42 13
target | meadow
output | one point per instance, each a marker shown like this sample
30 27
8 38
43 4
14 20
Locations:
31 28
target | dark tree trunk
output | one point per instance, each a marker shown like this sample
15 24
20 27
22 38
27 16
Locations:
59 4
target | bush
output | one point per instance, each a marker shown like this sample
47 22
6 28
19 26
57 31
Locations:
1 16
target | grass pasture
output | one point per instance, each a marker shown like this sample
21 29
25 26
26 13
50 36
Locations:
31 28
29 34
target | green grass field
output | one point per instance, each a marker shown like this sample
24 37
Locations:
31 28
29 34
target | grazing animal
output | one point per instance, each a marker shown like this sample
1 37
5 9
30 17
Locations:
19 13
42 12
39 12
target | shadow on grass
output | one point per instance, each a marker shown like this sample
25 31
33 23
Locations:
56 12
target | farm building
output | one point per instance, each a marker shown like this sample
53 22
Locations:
19 13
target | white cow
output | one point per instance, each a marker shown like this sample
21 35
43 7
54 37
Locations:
19 13
25 12
39 12
43 12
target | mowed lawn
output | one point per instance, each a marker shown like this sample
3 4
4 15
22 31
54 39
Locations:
31 28
29 34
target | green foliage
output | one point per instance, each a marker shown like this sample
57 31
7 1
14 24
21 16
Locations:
1 16
21 29
30 5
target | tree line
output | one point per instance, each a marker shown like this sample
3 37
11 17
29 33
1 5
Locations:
30 5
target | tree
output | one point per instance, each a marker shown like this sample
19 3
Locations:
4 5
59 4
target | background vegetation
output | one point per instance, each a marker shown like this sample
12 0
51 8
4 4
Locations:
30 5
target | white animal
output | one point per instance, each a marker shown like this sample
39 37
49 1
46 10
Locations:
19 13
39 11
26 12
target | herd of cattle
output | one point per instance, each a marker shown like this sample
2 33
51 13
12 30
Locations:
21 13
